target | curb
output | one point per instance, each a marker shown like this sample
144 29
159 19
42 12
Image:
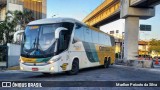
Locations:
14 68
136 63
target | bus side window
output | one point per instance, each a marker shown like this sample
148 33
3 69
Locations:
88 35
95 37
78 34
101 41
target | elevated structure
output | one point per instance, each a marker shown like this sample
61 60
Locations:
107 12
131 11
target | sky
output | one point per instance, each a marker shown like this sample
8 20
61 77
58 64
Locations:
79 9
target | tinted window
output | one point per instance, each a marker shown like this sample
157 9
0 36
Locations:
109 41
101 39
78 34
95 36
88 35
106 40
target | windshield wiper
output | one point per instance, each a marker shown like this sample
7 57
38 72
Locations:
52 45
49 49
34 44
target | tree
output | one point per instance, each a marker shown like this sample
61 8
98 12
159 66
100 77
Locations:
154 45
22 18
12 20
1 31
6 28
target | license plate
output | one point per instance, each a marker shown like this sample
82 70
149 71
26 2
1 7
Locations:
34 69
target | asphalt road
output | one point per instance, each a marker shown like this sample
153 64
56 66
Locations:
114 73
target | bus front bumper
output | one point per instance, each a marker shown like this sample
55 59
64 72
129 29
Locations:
48 68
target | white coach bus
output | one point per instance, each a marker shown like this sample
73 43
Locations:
64 44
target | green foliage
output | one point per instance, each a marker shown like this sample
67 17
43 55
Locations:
9 25
6 27
154 45
22 18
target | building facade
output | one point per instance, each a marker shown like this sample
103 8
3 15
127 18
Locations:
38 7
143 48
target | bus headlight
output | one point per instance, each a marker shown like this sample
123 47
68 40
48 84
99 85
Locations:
21 61
54 60
21 68
50 62
51 69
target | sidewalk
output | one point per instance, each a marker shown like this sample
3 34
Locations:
155 69
136 63
10 68
157 66
14 68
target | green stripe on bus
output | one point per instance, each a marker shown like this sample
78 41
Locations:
39 60
94 52
91 52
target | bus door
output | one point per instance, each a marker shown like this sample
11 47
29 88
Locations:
63 44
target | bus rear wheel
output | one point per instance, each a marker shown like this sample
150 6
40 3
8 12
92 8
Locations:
75 67
106 63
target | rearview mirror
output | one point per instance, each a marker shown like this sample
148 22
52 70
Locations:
18 36
58 30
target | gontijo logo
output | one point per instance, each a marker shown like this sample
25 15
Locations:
102 48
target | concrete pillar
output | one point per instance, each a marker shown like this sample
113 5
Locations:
131 38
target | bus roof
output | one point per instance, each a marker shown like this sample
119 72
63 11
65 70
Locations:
60 19
54 20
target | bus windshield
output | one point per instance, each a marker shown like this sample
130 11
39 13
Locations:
39 41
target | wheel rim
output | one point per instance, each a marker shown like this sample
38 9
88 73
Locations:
74 68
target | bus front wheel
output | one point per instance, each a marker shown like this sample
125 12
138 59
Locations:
75 67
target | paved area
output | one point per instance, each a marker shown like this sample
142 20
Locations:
156 66
114 73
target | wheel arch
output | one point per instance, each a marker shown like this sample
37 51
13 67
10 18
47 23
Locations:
71 61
